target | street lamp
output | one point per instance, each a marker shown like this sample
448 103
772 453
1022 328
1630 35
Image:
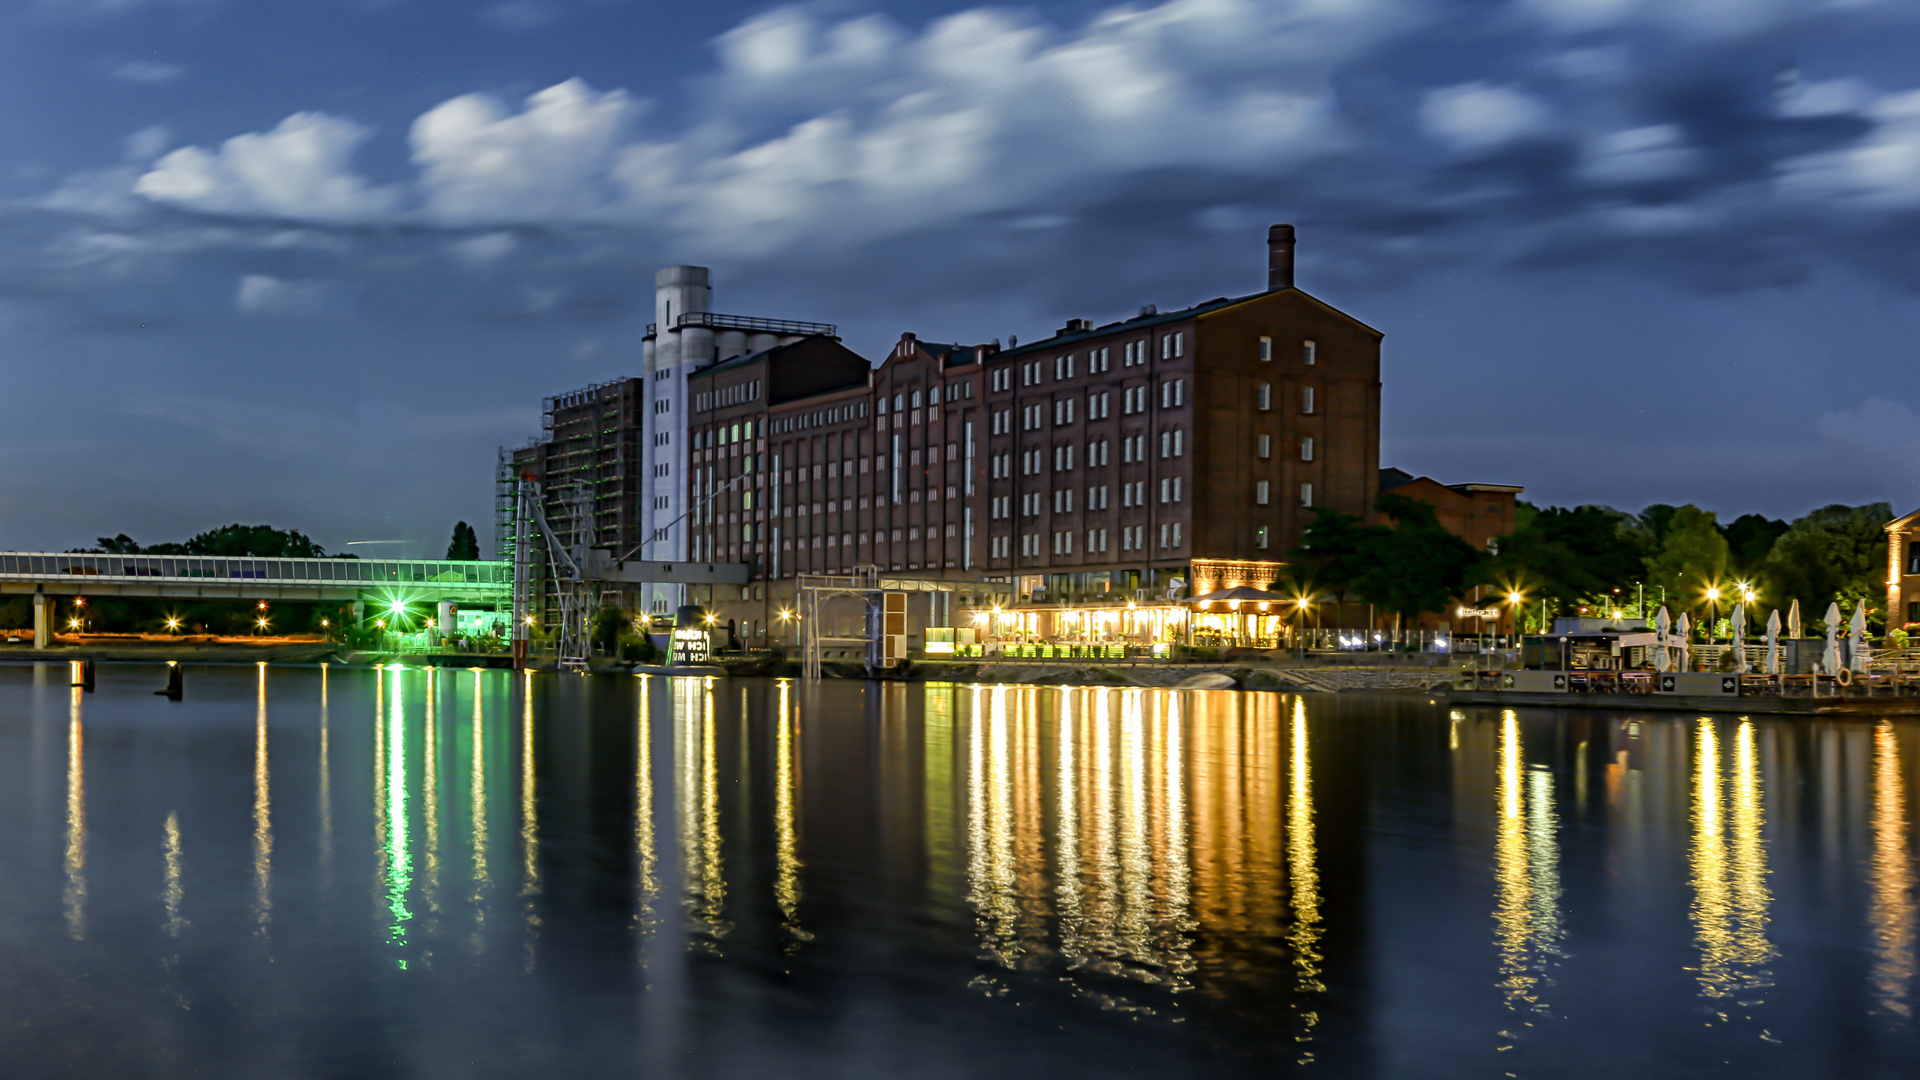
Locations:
1713 610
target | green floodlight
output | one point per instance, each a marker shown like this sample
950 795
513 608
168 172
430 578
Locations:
398 607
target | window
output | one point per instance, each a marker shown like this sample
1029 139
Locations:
1260 537
1308 353
1172 345
1170 489
1263 396
1306 495
1306 400
1266 348
1263 446
1260 493
1306 448
1063 412
1170 443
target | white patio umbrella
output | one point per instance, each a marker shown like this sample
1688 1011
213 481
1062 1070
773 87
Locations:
1861 650
1830 658
1662 661
1793 620
1684 631
1740 638
1773 642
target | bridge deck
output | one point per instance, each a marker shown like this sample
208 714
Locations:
216 577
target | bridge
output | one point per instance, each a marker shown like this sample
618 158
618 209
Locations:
44 575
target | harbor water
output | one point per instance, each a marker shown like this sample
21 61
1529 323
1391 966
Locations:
310 872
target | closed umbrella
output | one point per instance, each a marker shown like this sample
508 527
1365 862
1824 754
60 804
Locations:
1773 642
1793 620
1662 660
1830 658
1684 631
1862 649
1740 638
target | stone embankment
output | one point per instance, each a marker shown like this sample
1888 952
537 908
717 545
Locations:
1188 676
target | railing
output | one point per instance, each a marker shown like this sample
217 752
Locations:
715 321
38 566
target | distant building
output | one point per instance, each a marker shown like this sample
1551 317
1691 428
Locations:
1478 513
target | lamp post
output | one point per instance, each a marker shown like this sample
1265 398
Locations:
1713 610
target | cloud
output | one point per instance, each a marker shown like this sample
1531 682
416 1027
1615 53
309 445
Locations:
261 294
1878 425
1476 116
300 170
1603 130
480 162
1882 169
519 14
147 71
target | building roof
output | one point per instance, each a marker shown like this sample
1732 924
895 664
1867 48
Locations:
1391 478
1156 318
747 358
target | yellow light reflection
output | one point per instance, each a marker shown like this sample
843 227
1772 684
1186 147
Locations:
645 857
529 822
990 866
711 905
786 884
75 898
262 810
1729 878
1526 874
1303 870
1890 917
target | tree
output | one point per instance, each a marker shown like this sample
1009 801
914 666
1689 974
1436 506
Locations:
1334 548
1418 565
1750 539
1692 558
465 546
1837 554
228 541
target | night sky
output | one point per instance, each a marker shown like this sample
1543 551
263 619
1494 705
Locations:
309 263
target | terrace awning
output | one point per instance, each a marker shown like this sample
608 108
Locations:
1243 593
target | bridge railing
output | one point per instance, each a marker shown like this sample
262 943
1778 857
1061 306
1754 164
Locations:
40 566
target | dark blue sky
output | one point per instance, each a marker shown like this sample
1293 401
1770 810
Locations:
311 262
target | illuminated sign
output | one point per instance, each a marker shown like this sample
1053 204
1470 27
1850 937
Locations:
690 646
1479 613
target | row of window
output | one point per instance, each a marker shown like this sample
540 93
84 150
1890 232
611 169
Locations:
903 401
1065 366
1132 538
1262 493
1263 447
1309 353
737 394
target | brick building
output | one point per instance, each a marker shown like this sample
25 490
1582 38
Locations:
1478 513
1139 461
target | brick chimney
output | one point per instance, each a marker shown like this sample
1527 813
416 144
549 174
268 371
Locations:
1280 257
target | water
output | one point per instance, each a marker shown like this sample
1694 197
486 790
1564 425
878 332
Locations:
314 873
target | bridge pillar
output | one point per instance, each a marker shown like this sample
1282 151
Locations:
42 621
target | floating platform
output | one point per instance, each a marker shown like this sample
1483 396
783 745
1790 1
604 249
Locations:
1692 703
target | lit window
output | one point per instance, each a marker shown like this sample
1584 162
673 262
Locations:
1306 448
1260 493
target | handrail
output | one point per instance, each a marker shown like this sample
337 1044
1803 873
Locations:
716 321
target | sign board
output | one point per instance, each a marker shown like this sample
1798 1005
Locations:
690 646
1479 613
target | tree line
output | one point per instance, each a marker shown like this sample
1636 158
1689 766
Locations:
1601 560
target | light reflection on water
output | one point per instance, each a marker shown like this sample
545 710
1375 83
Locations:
1213 882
